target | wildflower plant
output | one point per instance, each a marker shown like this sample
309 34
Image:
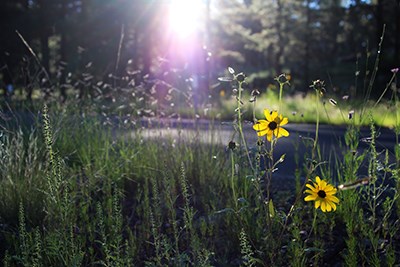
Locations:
323 195
265 229
272 125
283 79
238 80
115 202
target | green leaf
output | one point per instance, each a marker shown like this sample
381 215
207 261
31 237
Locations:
313 249
224 211
271 209
225 79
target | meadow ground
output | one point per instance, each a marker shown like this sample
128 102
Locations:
83 187
80 190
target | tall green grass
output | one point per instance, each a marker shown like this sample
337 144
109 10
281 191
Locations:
80 194
79 189
301 107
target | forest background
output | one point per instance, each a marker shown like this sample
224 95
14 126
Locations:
79 43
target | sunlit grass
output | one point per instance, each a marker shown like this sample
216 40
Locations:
300 108
118 199
93 182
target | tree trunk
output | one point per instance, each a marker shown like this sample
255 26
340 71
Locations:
63 46
379 20
44 35
280 44
397 34
306 81
44 43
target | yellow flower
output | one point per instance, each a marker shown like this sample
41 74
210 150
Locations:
323 194
272 125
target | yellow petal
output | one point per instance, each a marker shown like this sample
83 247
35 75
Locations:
317 179
260 125
322 184
333 191
330 189
311 187
311 192
274 115
328 207
317 204
333 199
263 132
267 115
310 198
269 135
323 206
276 132
333 206
281 132
284 121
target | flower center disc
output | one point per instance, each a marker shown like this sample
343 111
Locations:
321 194
272 125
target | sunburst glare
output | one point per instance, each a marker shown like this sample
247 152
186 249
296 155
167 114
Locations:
185 17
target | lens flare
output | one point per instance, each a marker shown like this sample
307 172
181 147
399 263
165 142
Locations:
184 17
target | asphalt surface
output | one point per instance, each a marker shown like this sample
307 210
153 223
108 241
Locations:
296 147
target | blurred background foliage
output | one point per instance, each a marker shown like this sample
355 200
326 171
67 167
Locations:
98 46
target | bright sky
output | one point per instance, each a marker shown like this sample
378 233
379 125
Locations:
185 17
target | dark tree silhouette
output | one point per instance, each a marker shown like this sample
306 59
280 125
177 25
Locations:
262 38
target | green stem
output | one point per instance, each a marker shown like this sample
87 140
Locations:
270 169
397 127
280 95
384 91
313 229
373 75
317 123
239 124
233 178
254 110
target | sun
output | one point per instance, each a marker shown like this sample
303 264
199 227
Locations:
185 17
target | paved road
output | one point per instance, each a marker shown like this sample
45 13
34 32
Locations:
331 139
220 133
